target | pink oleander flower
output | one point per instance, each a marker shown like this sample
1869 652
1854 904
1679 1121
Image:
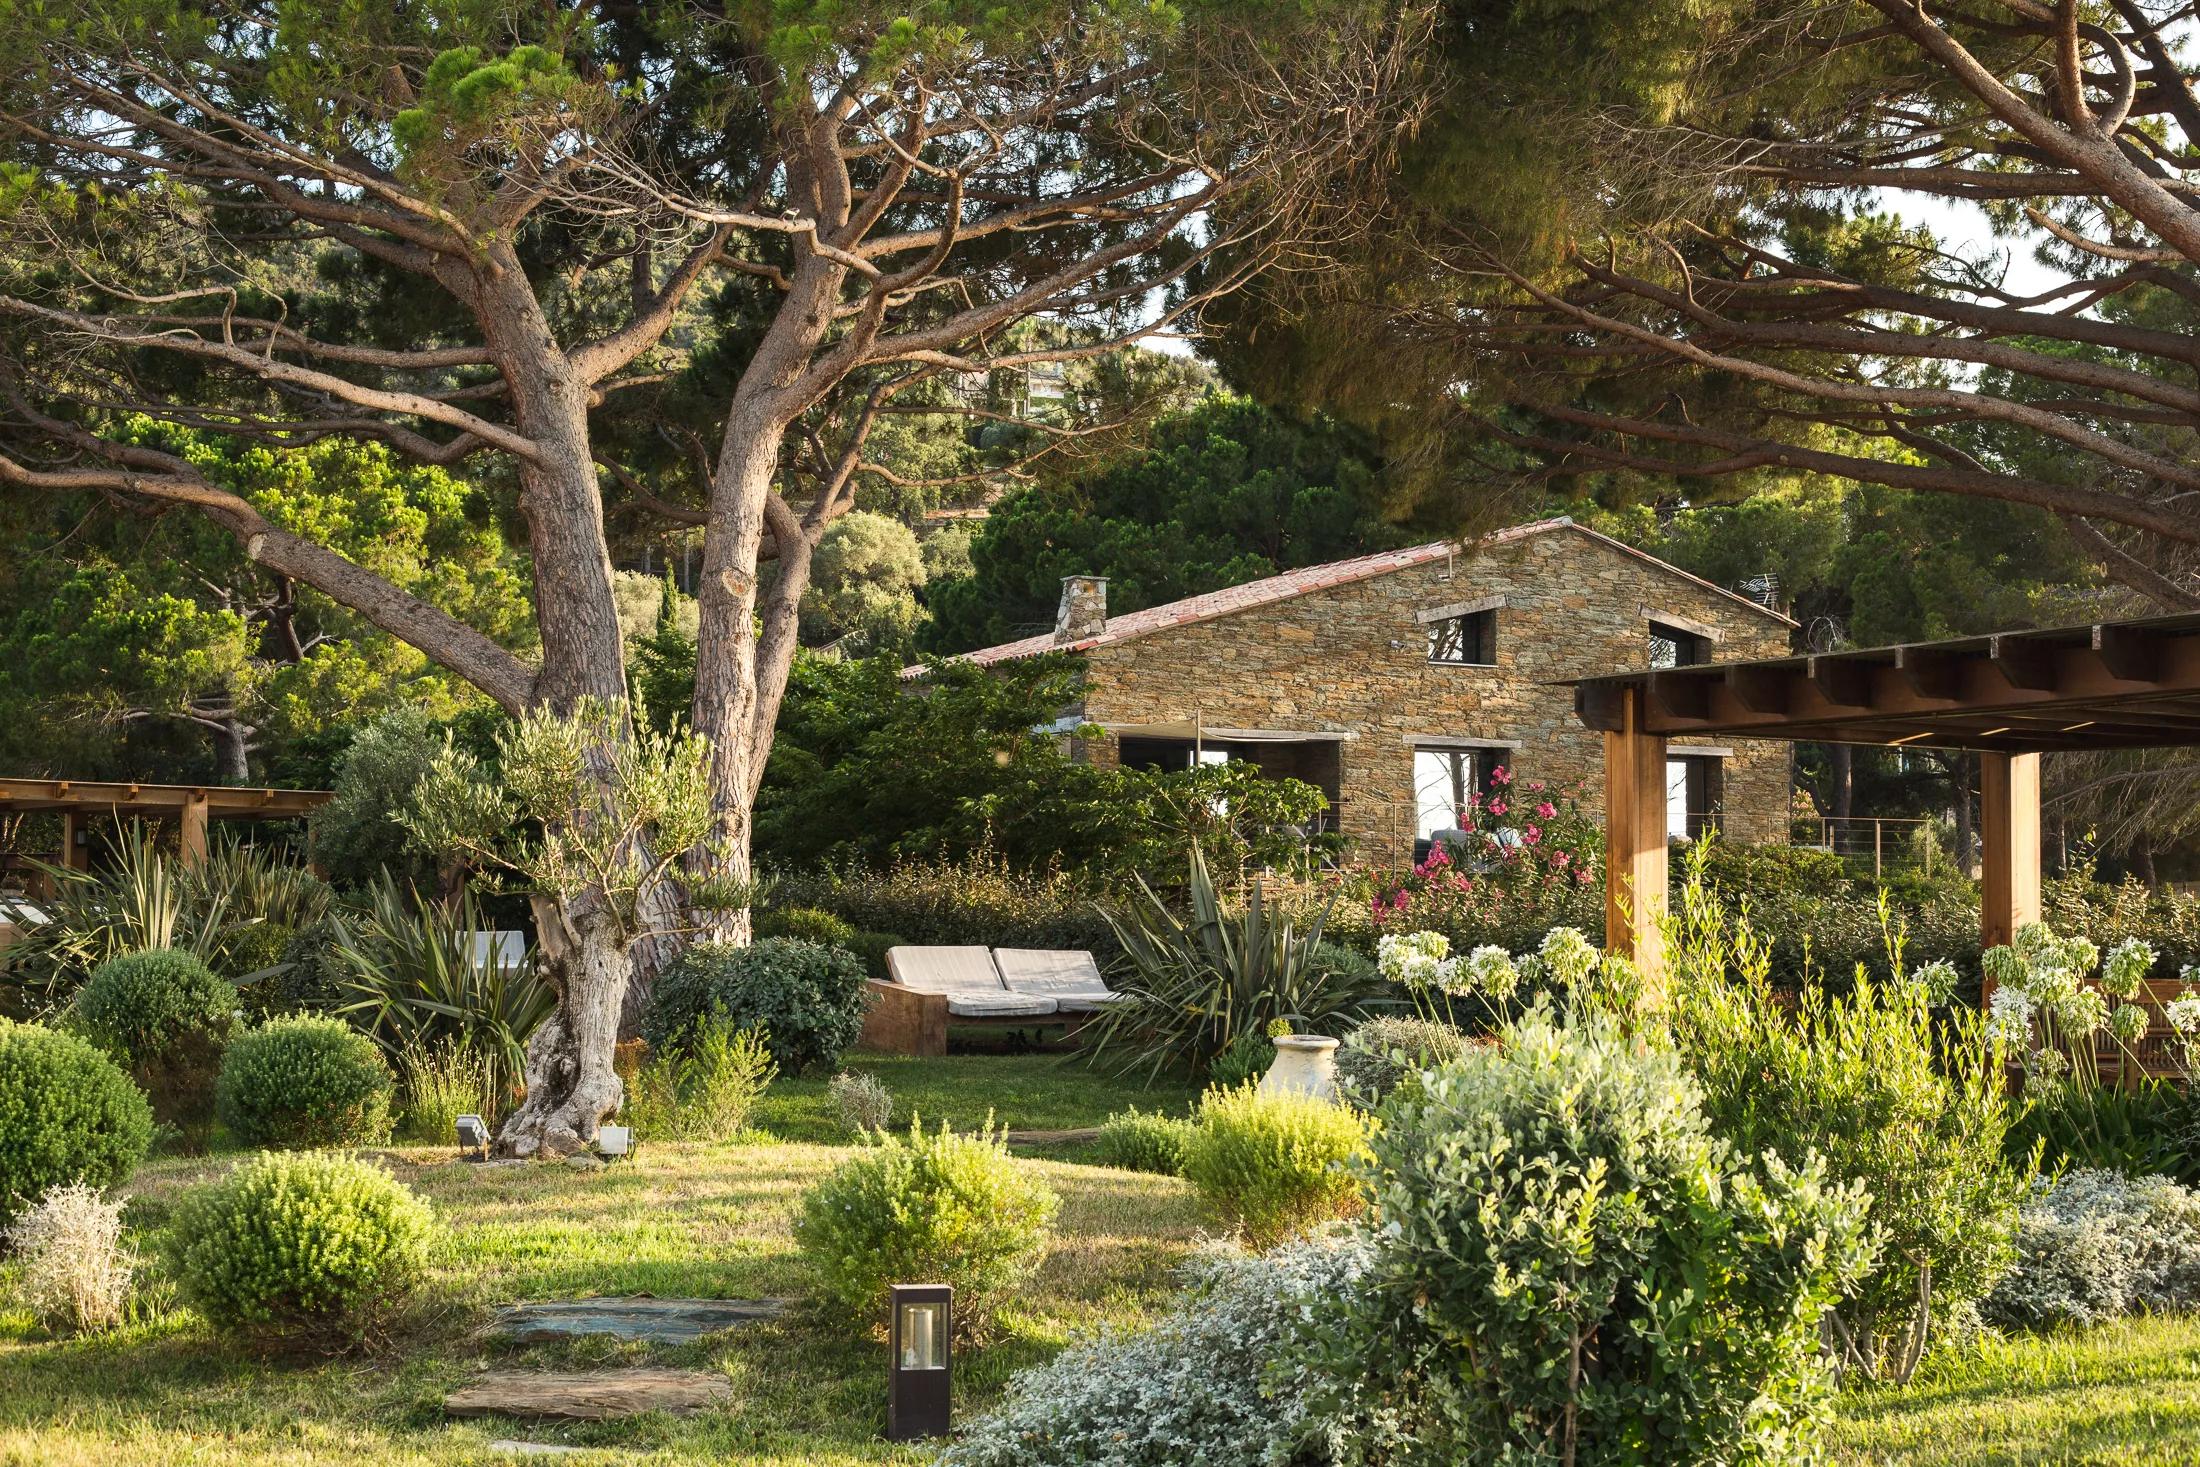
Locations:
1462 883
1535 786
1501 775
1531 834
1498 807
1545 810
1560 858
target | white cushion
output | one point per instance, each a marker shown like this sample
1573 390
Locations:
998 1006
962 971
1070 977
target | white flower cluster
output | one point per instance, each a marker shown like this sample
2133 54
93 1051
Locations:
2127 966
2009 1018
1416 960
1490 970
1568 956
1217 1382
2183 1011
1938 980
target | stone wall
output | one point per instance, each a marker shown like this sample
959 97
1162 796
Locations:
1353 659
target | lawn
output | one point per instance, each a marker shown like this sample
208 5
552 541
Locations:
709 1221
714 1221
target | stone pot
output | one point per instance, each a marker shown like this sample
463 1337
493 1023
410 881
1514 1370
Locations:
1305 1063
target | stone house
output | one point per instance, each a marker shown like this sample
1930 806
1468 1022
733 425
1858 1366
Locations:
1396 682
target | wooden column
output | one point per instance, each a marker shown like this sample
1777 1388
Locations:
191 832
75 856
2009 840
1635 842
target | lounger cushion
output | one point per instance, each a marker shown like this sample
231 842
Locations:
1070 977
954 970
998 1006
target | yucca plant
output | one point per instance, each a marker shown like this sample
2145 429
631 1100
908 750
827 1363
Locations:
1195 983
417 984
142 902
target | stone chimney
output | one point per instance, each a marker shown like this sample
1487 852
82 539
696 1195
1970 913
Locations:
1084 608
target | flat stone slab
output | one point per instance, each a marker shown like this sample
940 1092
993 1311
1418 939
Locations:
660 1321
594 1395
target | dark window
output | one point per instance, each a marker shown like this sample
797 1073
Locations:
1672 646
1694 793
1469 640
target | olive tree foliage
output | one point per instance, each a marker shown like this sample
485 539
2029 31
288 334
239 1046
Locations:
1725 281
472 230
586 816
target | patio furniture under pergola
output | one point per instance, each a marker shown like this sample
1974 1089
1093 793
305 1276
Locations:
191 806
2010 697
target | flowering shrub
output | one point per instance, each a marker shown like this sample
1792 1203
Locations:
1489 981
940 1206
1527 845
1218 1381
2050 1013
2092 1245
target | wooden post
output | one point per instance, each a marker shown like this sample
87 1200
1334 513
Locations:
191 833
74 855
1635 843
2009 840
1879 854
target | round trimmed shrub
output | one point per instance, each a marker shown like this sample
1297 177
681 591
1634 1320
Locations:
153 1008
1275 1165
67 1114
304 1246
941 1206
811 924
306 1080
807 998
1381 1054
1140 1142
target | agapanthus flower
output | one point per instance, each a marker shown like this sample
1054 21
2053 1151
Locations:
2081 1012
2128 1023
2183 1012
2009 1018
2127 966
2078 955
1568 955
1488 969
2034 941
1414 959
1938 981
2002 965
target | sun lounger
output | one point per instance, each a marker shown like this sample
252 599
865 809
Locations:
932 987
1068 976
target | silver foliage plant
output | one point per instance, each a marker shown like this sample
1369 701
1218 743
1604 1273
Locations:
2094 1245
1219 1381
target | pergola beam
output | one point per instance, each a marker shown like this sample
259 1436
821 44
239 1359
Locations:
2010 696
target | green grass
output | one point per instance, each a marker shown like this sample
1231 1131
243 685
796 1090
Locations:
1037 1092
700 1220
714 1221
2126 1394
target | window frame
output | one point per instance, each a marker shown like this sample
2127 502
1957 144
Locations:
1483 640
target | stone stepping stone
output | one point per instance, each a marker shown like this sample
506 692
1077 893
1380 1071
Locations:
596 1395
659 1321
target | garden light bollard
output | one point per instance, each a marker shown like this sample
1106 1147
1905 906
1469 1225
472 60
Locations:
1306 1064
473 1138
917 1360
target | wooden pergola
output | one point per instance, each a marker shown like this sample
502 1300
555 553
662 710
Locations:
2009 697
191 806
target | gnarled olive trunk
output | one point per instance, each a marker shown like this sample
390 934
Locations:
571 1085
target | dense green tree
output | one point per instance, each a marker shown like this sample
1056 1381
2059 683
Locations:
121 633
1226 493
864 584
469 231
